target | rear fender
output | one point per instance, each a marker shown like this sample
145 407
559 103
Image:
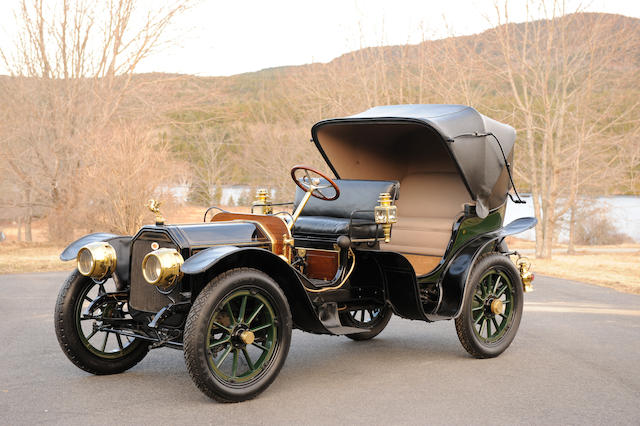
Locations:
207 264
456 276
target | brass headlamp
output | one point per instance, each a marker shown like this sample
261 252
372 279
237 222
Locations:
162 267
97 260
385 214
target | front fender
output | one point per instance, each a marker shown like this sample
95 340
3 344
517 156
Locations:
211 262
71 251
457 272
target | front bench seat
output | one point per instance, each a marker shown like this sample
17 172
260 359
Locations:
332 218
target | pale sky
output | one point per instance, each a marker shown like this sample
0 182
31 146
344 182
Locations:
229 37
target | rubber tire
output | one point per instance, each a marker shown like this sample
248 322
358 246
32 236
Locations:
373 332
464 322
69 339
195 353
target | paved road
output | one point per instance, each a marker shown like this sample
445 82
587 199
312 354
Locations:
575 360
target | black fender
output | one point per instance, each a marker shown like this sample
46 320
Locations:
397 278
122 245
456 274
206 264
71 251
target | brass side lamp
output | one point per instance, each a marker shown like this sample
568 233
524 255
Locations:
262 204
524 267
386 214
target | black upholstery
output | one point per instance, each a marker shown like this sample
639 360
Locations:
332 218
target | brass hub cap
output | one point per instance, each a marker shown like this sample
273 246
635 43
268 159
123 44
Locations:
247 337
497 307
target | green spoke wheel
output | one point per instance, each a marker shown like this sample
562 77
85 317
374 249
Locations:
370 319
237 335
87 338
239 350
492 307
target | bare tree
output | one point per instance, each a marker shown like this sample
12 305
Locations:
558 71
73 65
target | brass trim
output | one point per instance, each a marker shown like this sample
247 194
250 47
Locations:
497 307
247 337
169 263
154 207
101 262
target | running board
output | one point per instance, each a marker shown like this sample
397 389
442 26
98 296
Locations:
328 316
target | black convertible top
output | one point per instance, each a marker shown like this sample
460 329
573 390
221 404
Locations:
464 132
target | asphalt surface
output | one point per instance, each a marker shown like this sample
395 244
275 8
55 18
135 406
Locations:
576 360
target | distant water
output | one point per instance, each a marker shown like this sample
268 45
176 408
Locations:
623 211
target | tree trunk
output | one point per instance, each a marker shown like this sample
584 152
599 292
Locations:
572 231
27 228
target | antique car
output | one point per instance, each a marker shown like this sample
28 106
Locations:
408 222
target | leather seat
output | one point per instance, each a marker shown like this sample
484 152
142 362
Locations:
333 218
325 225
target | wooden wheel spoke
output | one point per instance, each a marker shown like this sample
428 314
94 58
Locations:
495 286
261 327
259 346
219 342
230 312
224 356
104 343
248 359
217 324
119 339
255 314
243 307
234 366
495 323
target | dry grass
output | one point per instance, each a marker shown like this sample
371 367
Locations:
620 271
617 270
35 257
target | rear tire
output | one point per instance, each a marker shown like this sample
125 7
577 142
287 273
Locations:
492 307
78 338
237 335
373 320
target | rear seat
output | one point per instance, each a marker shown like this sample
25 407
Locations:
429 204
332 218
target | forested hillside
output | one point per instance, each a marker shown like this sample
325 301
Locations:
569 85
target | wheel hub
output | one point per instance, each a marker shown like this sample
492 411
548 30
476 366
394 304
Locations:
242 336
497 307
247 337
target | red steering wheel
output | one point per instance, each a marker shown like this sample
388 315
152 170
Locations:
312 184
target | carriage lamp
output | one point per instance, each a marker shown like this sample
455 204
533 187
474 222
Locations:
385 214
524 267
97 260
263 202
162 267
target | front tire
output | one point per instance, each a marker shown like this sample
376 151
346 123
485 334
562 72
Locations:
237 335
81 338
492 307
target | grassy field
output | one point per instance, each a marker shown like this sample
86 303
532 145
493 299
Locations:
595 265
